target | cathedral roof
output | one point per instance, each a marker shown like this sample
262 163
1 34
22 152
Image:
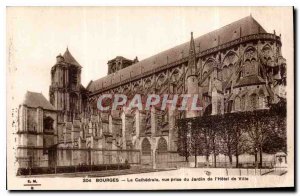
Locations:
35 100
119 57
243 27
250 80
68 58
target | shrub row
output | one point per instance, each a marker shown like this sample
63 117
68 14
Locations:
71 169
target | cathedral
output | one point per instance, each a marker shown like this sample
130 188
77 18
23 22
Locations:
232 69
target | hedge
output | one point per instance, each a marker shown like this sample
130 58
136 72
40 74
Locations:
71 169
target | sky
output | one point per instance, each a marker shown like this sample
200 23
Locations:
94 35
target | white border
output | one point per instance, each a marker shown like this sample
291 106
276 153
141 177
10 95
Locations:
108 3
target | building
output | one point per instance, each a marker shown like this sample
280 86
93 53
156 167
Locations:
234 68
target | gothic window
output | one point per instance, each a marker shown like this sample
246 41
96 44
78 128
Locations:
148 121
95 130
206 68
68 154
250 54
225 72
241 73
229 106
147 83
243 102
219 111
73 76
162 118
247 68
254 65
231 68
136 88
126 90
208 65
162 145
175 76
73 102
250 62
237 104
267 55
45 149
160 81
229 61
85 129
262 101
173 88
146 147
205 83
165 117
48 124
52 98
179 114
90 128
253 101
134 125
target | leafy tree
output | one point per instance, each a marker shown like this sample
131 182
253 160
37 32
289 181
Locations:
234 133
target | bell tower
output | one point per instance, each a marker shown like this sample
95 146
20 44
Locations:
65 89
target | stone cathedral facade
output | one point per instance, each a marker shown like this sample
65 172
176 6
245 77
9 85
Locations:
234 68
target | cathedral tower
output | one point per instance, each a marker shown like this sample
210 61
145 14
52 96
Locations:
65 87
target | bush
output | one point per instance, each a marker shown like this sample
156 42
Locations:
71 169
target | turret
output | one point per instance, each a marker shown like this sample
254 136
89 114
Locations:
59 58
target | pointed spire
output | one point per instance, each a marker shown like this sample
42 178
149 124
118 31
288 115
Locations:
69 58
192 65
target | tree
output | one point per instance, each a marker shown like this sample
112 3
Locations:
233 138
196 145
234 133
182 145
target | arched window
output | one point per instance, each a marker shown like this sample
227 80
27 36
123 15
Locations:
225 72
90 127
250 54
243 102
248 68
250 61
175 76
162 145
173 88
267 55
253 101
237 104
147 83
261 100
230 60
73 102
160 81
231 68
48 124
229 106
206 81
146 147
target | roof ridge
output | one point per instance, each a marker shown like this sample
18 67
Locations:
240 28
36 99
